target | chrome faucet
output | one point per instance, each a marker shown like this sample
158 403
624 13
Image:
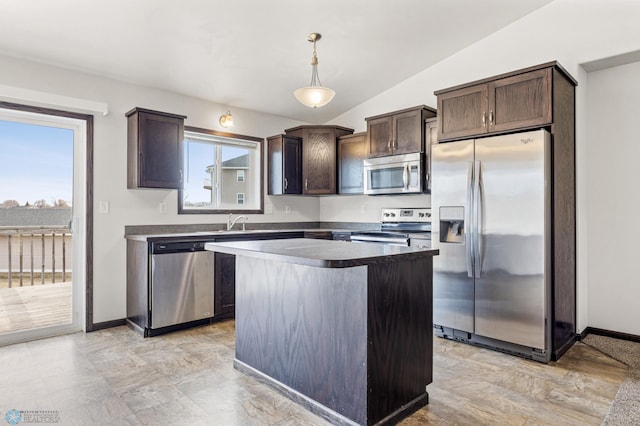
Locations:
230 222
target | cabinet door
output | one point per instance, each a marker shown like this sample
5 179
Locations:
407 132
275 160
462 112
351 154
284 165
224 293
520 101
380 134
319 161
430 139
159 151
292 165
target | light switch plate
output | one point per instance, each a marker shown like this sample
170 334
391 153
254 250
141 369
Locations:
103 207
162 207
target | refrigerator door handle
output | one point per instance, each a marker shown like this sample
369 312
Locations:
477 220
468 227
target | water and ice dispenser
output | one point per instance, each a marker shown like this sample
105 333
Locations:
452 224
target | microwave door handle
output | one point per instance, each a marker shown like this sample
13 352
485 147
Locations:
405 176
468 228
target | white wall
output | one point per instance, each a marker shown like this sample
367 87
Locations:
572 32
140 207
363 208
614 198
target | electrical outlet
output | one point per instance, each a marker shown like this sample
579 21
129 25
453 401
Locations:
363 208
287 209
162 207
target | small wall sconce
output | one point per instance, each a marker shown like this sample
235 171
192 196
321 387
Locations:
226 120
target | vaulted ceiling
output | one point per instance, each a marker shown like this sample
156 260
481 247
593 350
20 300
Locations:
253 54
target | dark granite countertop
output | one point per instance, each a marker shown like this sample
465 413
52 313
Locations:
320 253
205 234
221 234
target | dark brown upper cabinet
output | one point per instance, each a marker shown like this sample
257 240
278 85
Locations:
154 145
284 165
398 132
518 100
319 151
352 150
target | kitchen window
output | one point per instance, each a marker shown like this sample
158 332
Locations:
222 173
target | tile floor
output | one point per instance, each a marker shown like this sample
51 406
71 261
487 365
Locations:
114 376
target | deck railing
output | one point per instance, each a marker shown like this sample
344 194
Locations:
33 248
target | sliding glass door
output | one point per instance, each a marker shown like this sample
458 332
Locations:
42 238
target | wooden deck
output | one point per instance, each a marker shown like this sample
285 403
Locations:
23 308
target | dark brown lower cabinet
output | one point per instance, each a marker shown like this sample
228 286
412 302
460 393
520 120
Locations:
224 291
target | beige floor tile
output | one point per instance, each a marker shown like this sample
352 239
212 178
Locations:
115 376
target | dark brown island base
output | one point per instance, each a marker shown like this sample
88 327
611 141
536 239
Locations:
344 329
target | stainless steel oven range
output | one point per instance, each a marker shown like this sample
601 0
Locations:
401 227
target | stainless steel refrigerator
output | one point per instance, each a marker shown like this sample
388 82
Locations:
491 206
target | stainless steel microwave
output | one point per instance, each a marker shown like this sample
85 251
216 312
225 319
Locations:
394 174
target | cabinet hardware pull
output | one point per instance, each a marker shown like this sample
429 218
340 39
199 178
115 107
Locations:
484 119
306 184
395 144
491 117
389 145
286 184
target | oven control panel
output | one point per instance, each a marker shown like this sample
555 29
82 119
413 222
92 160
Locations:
406 215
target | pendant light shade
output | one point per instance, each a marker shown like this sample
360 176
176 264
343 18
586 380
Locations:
314 95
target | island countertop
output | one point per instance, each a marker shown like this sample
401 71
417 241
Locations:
320 253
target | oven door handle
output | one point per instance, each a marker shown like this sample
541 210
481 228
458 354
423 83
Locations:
366 238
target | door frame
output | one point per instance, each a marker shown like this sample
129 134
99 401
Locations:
86 323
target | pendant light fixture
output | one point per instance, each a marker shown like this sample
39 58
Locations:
314 95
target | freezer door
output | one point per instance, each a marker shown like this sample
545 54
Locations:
511 255
452 175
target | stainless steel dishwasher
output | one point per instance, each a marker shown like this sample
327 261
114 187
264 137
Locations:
182 276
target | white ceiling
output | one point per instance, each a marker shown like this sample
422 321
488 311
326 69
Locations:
253 54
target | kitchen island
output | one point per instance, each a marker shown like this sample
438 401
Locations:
344 329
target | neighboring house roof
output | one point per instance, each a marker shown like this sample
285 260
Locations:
238 162
241 162
27 216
